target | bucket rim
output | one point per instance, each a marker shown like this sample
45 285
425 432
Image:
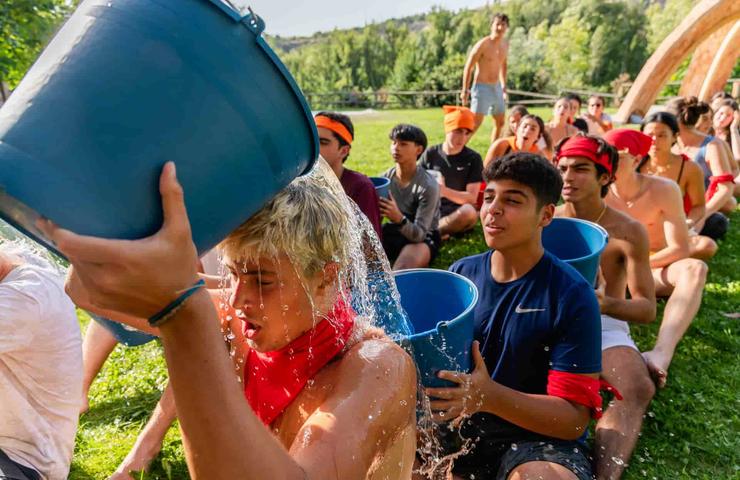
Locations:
384 181
437 271
596 226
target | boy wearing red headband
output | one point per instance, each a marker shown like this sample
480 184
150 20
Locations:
538 350
458 170
336 134
327 397
587 165
657 204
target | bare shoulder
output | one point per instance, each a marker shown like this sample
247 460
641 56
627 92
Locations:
375 355
480 44
662 186
624 228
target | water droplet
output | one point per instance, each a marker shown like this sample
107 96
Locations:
618 461
514 447
547 349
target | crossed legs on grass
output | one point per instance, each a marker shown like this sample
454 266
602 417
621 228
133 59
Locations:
413 255
702 247
683 283
462 219
618 429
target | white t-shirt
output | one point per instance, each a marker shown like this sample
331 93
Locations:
40 370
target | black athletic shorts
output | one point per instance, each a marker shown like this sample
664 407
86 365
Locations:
495 458
10 470
394 241
715 226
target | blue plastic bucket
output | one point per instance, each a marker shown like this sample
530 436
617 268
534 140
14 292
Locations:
127 85
440 307
382 185
123 333
578 243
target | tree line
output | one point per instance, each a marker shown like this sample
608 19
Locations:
588 44
581 44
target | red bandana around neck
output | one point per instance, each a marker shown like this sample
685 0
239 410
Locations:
272 380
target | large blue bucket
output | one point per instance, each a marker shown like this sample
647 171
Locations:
382 185
440 307
578 243
127 85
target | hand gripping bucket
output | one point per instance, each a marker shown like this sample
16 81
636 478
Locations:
127 85
440 306
578 243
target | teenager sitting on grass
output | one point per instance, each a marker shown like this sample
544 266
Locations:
657 204
597 120
458 169
537 353
336 134
587 165
529 134
40 369
411 239
574 116
711 156
326 396
515 114
558 127
662 127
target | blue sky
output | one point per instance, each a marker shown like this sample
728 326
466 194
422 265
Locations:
304 17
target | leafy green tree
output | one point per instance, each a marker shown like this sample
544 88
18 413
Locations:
25 27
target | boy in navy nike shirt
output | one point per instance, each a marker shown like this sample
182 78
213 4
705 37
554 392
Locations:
537 353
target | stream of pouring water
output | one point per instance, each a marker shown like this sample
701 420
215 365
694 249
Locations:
365 282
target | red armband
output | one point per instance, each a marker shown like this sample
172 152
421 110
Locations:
579 389
714 184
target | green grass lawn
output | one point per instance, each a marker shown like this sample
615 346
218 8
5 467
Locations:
692 429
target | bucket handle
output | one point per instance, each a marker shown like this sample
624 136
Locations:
252 21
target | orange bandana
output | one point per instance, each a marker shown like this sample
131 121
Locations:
458 117
334 126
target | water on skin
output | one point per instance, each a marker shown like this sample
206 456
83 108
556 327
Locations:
363 262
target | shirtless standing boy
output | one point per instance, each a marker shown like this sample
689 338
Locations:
488 94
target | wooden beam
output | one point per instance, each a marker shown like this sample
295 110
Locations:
703 56
722 65
704 19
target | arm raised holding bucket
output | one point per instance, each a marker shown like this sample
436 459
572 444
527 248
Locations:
357 425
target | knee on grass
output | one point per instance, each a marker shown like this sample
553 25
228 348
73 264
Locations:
694 270
549 470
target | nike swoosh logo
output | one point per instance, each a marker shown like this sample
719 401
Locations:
519 309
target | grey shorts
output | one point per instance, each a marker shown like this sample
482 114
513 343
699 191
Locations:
487 99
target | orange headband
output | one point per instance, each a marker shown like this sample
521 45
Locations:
334 126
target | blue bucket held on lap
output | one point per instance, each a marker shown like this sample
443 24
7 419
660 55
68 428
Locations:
382 185
440 307
127 85
578 243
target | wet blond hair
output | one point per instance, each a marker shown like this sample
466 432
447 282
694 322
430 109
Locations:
307 220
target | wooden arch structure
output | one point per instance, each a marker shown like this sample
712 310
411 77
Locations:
712 31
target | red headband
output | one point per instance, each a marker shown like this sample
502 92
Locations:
334 126
637 143
579 146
